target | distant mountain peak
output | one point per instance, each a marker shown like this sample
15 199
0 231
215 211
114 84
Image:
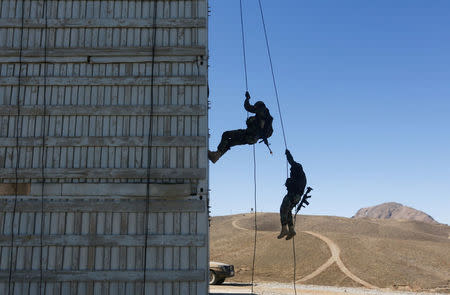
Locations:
392 210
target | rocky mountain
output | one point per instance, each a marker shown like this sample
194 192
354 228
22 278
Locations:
394 211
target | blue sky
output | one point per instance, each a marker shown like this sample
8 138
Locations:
364 89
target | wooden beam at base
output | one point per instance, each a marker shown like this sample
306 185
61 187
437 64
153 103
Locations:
110 276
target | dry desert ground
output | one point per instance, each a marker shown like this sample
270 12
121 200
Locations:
366 254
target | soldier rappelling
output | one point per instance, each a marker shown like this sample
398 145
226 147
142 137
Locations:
295 185
259 127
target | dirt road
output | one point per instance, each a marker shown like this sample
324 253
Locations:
335 258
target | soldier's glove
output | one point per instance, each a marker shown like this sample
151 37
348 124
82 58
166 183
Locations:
247 95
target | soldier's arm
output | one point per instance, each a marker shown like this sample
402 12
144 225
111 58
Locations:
289 157
248 107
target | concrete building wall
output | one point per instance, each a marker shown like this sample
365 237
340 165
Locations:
103 147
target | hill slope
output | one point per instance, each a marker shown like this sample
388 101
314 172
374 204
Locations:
394 211
336 251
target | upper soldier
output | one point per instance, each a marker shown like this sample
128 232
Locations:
295 186
259 126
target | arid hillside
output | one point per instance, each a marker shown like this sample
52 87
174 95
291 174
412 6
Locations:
337 251
396 211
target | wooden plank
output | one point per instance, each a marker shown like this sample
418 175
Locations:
10 189
104 206
143 59
99 59
106 110
89 276
170 190
66 173
102 81
102 23
58 59
125 240
105 52
105 141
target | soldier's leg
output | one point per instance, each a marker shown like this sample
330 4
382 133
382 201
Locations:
229 139
294 199
250 137
285 212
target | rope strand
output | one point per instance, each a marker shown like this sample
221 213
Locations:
272 71
281 120
256 226
149 145
243 48
253 148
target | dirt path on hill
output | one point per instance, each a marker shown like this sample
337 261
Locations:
335 258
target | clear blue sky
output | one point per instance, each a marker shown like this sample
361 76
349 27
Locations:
365 97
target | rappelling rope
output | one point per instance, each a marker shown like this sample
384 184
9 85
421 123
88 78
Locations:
271 69
149 146
17 133
243 48
282 124
43 155
253 147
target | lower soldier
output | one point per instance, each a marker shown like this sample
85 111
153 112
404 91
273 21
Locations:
295 186
259 126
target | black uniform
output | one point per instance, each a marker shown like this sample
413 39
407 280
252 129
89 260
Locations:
295 185
259 126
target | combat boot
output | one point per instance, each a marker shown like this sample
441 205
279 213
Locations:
214 156
291 233
284 232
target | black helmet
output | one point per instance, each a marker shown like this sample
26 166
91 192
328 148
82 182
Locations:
260 105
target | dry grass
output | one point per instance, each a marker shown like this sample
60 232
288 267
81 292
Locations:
385 253
235 246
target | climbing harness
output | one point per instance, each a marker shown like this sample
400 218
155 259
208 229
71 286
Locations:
149 147
253 149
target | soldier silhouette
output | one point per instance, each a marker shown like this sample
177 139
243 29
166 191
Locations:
259 127
295 185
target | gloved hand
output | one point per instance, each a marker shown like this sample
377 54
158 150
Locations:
247 95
